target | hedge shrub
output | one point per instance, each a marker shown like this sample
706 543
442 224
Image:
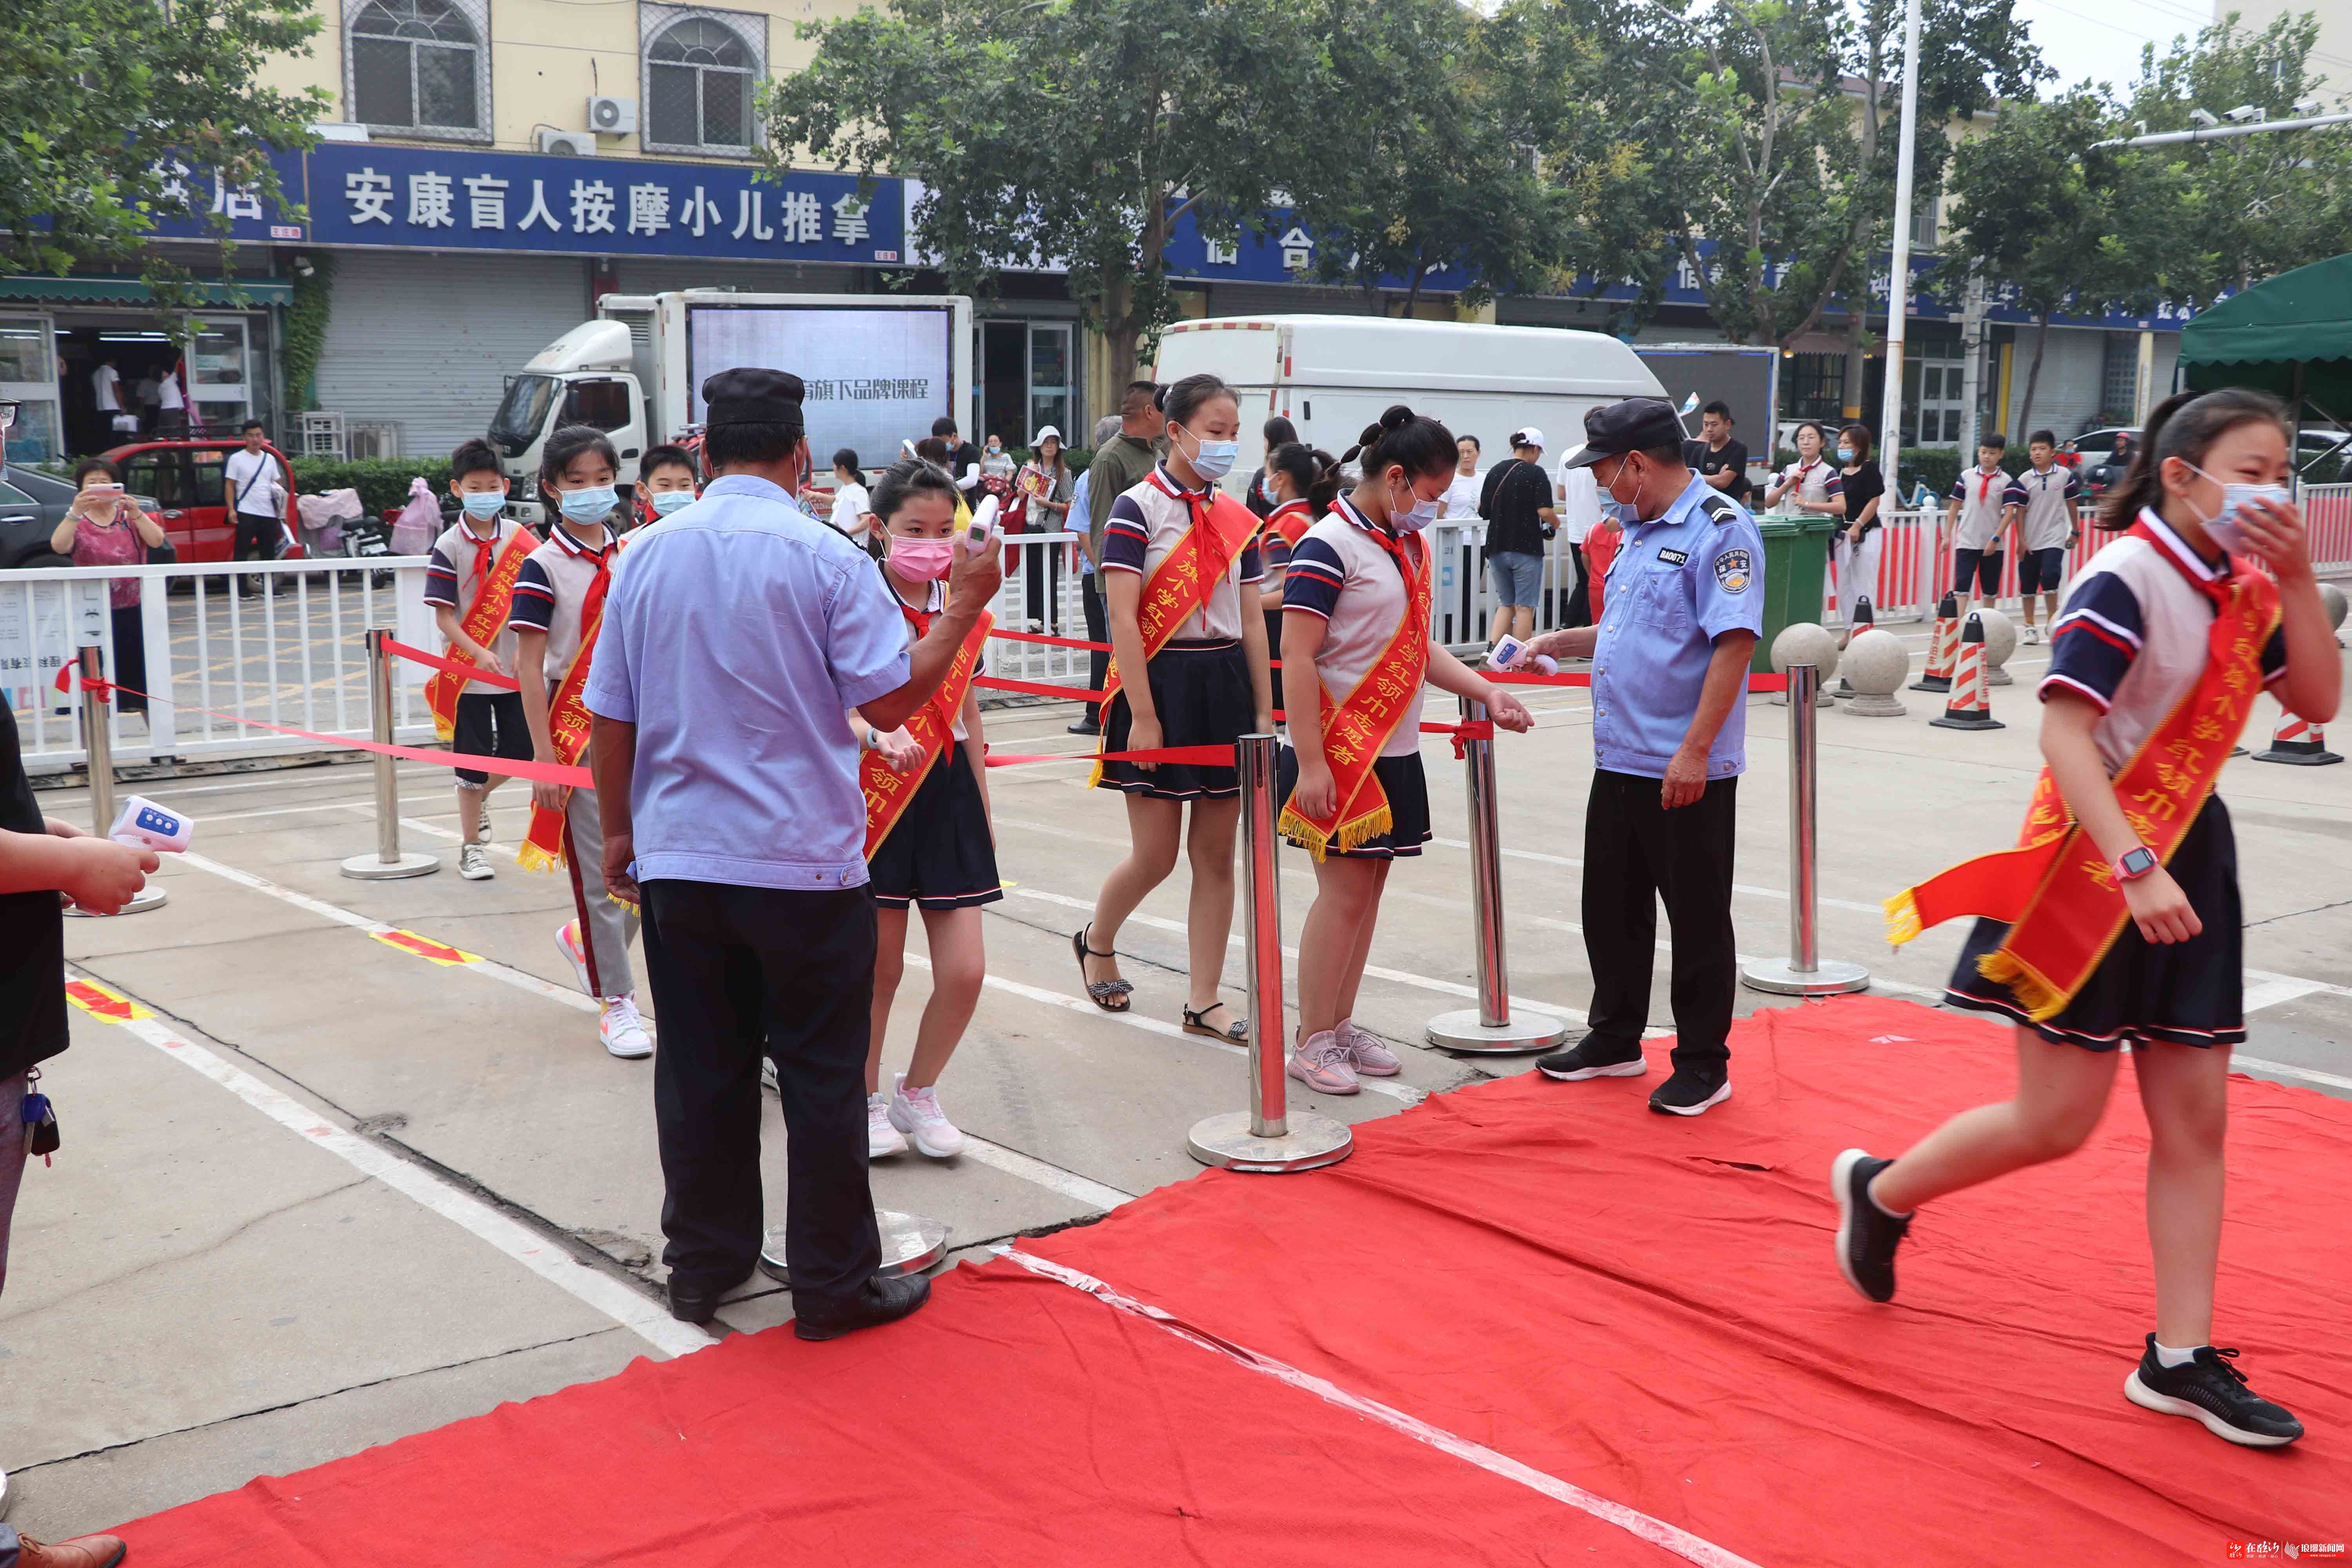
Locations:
381 481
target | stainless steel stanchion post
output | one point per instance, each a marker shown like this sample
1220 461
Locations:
1268 1136
100 744
387 863
1490 1028
1803 973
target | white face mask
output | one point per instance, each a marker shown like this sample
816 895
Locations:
2235 497
1414 514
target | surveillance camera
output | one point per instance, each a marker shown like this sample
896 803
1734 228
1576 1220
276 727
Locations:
2204 118
302 268
2243 114
2306 106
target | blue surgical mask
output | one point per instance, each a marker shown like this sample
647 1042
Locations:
483 505
2223 530
1845 454
665 502
1213 460
1265 489
592 503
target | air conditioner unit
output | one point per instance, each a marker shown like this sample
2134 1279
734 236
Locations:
613 116
568 143
377 438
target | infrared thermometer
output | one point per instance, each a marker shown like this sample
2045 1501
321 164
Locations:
147 826
1510 653
982 534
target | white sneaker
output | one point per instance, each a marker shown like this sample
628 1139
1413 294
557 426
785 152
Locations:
623 1032
474 863
917 1113
881 1138
2031 634
482 828
567 942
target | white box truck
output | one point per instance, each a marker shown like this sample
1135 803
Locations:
878 368
1332 375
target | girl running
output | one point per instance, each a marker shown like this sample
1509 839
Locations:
2117 919
1355 650
927 838
1180 572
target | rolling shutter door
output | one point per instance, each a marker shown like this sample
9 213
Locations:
428 341
637 276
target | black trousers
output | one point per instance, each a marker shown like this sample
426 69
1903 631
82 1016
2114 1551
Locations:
1580 604
257 539
1637 853
1098 630
737 971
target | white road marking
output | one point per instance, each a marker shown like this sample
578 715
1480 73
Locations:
632 1311
1751 890
1635 1522
2310 1074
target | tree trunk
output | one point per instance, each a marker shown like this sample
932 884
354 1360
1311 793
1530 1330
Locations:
2040 342
1120 328
1413 295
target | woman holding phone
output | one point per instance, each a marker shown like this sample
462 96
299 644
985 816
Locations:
104 527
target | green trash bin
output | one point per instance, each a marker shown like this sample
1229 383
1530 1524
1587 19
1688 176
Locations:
1796 576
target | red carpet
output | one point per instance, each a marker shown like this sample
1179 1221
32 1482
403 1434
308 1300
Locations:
1642 1306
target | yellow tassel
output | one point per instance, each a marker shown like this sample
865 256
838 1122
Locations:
1296 828
1093 776
616 898
1354 834
443 729
1903 918
2034 993
531 858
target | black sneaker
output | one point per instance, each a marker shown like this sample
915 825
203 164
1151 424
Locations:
1593 1056
878 1301
2209 1388
1867 1234
1690 1092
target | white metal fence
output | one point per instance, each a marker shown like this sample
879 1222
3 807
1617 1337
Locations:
294 656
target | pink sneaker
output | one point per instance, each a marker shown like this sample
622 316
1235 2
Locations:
1322 1064
1365 1052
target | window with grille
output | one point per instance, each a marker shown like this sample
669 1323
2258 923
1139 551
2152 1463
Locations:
2119 380
699 71
417 66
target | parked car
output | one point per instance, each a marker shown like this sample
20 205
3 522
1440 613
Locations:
2093 453
31 504
185 477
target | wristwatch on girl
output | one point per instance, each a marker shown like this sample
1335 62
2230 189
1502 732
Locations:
2136 863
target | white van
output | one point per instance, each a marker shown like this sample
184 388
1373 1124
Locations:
1332 375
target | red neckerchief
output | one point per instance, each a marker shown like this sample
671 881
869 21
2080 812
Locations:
2212 582
1984 491
1407 564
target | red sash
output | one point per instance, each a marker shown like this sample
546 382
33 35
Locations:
2057 890
1355 729
1290 521
568 723
886 790
483 620
1221 528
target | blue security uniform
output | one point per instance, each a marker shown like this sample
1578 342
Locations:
1680 581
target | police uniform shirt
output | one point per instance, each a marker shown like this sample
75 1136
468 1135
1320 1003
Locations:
2049 502
2133 636
1145 525
1342 572
1677 584
1982 497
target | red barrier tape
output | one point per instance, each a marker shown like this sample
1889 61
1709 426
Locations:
1049 641
473 671
1038 688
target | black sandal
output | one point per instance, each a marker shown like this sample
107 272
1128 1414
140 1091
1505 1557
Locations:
1237 1034
1103 993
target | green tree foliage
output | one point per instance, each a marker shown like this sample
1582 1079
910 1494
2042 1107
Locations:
99 99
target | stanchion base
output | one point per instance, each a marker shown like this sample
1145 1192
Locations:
1830 978
149 896
910 1244
368 867
1527 1031
1227 1143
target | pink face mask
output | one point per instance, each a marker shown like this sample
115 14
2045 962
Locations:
922 560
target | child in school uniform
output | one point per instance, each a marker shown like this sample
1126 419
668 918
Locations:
928 840
558 604
470 582
1290 474
1356 649
2117 921
667 481
1975 513
1812 483
2043 499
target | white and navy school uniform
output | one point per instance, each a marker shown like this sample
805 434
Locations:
1274 552
942 852
1201 679
2046 524
1343 572
2132 639
1976 537
489 722
1814 482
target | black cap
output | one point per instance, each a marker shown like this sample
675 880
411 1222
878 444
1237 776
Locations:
751 395
1636 424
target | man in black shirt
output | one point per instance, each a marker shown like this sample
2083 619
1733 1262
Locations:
1720 460
964 457
40 859
1516 503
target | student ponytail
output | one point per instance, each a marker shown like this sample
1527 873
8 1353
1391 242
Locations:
1324 491
1419 445
1305 467
2185 425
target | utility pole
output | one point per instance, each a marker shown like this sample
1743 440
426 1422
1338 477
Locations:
1898 277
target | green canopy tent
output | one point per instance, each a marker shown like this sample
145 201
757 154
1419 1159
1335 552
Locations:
2291 336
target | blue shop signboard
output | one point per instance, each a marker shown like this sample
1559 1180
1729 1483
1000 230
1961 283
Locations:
1281 253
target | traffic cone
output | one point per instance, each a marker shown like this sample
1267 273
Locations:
1943 648
1969 707
2299 741
1863 622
